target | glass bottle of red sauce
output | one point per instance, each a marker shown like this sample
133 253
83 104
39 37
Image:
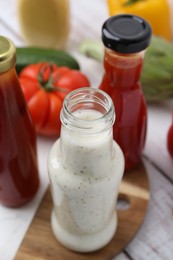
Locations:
126 38
19 178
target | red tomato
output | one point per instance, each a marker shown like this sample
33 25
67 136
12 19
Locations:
44 87
170 140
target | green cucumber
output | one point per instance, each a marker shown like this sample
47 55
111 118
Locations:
31 55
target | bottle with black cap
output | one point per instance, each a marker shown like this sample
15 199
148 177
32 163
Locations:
126 37
19 180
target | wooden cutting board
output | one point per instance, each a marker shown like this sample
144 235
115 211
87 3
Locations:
39 242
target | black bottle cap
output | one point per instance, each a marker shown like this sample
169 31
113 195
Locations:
126 33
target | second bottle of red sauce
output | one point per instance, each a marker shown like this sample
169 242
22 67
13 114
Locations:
19 177
126 38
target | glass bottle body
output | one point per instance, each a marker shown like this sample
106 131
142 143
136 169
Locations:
122 82
44 23
85 169
19 179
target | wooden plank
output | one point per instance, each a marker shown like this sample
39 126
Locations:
39 242
154 239
159 121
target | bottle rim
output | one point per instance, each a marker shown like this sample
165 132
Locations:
7 54
88 98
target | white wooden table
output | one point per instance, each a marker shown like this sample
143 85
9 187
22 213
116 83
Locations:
154 241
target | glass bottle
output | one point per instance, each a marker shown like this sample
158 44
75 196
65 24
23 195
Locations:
19 179
126 38
85 170
44 23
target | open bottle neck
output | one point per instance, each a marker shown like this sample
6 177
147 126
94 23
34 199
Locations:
87 118
87 111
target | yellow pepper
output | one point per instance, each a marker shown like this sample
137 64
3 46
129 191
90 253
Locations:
156 12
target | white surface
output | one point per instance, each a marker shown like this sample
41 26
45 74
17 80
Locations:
154 240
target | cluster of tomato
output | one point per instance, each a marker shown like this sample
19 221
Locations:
45 86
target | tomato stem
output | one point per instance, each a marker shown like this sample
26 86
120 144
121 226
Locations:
48 84
50 88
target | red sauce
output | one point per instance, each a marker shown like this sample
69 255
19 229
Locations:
121 82
19 178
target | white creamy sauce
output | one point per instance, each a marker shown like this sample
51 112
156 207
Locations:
85 173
